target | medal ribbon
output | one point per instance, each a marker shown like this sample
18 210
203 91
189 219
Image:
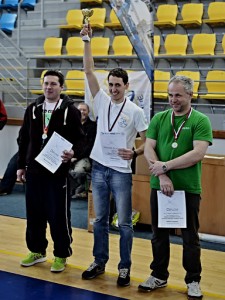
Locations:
45 128
177 133
110 128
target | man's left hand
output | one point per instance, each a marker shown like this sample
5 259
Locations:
125 154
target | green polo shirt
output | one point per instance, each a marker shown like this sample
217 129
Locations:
196 127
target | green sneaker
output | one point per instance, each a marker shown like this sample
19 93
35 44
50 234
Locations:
32 259
135 218
58 265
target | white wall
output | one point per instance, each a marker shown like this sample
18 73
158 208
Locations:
8 145
218 147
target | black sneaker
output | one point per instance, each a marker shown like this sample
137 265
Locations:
93 271
124 277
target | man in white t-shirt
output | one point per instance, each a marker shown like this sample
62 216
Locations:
118 122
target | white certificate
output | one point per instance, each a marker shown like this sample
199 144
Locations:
111 142
50 156
172 210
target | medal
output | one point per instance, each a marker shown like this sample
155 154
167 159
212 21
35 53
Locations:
45 128
174 145
177 133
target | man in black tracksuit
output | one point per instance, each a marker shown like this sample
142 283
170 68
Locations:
47 194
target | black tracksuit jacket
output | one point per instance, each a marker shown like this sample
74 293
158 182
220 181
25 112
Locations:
66 121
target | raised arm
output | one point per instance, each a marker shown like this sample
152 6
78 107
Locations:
89 62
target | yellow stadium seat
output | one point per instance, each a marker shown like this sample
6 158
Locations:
176 44
194 75
216 14
53 46
215 84
223 44
114 21
166 15
75 46
39 91
191 14
122 46
97 20
156 45
91 1
100 46
204 43
74 82
74 20
160 85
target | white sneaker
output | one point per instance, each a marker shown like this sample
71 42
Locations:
151 283
194 290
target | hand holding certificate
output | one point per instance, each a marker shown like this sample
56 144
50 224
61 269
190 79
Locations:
172 210
51 156
111 143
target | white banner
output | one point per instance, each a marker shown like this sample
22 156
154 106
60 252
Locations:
139 90
137 19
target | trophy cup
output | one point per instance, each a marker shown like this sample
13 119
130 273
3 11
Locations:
87 13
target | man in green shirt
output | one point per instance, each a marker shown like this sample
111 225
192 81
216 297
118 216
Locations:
177 140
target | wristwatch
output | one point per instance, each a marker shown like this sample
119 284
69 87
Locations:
164 168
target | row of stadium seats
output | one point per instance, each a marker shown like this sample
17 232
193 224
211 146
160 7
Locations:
191 15
121 46
8 19
177 44
74 82
74 19
103 46
214 83
13 4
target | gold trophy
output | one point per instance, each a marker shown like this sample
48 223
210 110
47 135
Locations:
87 13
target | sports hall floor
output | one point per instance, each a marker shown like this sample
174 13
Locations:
37 282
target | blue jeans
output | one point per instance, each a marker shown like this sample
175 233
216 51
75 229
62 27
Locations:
105 181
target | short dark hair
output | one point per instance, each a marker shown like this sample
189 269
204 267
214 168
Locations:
83 103
55 73
121 73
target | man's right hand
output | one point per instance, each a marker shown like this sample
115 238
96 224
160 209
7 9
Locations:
86 30
166 185
21 175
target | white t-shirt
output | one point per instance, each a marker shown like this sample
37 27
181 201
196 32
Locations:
131 121
48 108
